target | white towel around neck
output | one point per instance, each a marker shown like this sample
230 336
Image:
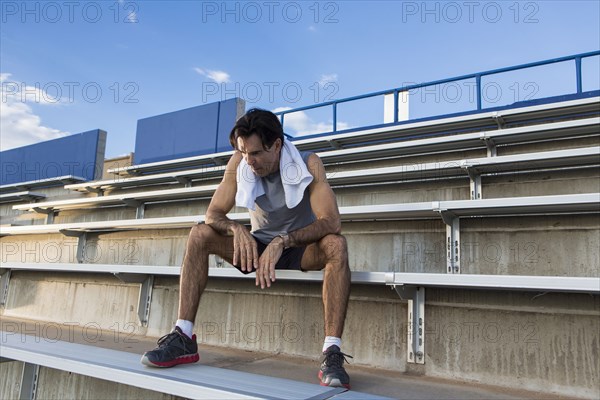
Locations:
295 178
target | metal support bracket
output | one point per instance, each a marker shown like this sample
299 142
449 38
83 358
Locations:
334 144
145 297
499 121
452 241
5 272
491 147
29 381
140 210
185 181
140 207
475 183
218 161
81 242
415 352
98 191
50 213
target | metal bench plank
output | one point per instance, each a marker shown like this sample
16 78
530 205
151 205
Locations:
191 381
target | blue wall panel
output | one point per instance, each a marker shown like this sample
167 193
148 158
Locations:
185 133
230 111
80 155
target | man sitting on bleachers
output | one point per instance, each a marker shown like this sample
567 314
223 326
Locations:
295 225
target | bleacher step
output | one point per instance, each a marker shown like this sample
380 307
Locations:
196 381
367 383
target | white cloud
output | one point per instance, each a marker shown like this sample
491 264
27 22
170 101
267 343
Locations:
19 125
312 28
328 78
300 124
49 95
217 76
132 17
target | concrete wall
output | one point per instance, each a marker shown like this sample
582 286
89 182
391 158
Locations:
10 384
547 343
56 384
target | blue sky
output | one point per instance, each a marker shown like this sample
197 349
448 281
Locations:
69 67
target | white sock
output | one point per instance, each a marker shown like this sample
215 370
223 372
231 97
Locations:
187 327
330 341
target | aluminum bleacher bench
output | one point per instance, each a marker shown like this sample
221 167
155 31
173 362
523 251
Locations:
532 205
144 275
339 141
472 168
191 381
487 140
450 212
479 121
182 177
23 186
137 200
20 196
409 286
141 274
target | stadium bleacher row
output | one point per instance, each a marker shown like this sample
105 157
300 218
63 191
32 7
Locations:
486 225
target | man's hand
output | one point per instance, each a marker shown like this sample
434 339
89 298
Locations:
265 274
245 253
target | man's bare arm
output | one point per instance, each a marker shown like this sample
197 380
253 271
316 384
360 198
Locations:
324 206
223 199
245 253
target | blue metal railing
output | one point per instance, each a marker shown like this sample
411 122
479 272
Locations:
477 76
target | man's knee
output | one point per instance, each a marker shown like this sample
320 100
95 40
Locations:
334 247
200 237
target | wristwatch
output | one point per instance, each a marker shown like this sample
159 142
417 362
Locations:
286 239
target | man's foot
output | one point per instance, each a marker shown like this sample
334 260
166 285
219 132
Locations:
332 371
174 348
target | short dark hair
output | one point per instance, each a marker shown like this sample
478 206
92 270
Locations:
259 122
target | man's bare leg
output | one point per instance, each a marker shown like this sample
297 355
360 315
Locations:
179 346
331 253
202 241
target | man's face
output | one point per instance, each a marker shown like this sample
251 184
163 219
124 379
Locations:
263 162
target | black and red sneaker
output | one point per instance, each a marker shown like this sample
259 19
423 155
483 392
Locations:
174 348
332 371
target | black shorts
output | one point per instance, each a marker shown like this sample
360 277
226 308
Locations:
290 258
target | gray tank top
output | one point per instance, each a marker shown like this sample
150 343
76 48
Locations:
272 216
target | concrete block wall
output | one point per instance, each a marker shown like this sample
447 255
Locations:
542 342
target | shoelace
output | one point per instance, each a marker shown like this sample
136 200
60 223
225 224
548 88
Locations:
336 359
172 336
